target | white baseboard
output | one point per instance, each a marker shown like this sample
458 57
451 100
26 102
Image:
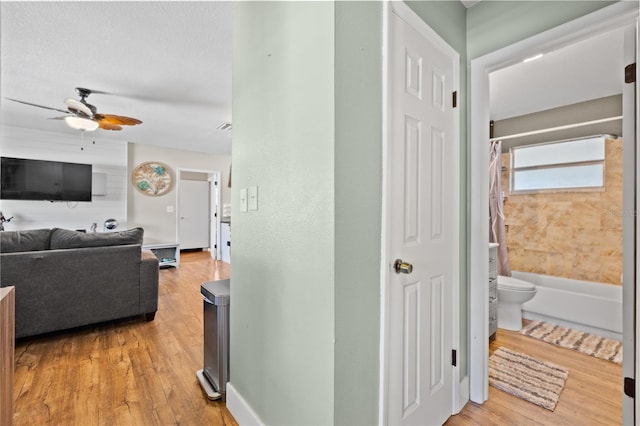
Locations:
240 409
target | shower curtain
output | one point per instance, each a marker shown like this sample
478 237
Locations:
497 232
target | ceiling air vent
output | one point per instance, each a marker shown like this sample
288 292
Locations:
224 126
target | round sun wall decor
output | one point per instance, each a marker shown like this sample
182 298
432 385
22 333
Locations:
152 178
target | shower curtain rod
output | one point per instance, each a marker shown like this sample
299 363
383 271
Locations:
553 129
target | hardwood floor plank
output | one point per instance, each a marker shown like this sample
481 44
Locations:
592 394
129 372
135 372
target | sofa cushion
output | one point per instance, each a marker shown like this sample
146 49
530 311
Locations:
66 239
27 240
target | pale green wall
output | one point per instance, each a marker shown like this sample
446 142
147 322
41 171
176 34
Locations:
492 25
282 289
320 235
358 198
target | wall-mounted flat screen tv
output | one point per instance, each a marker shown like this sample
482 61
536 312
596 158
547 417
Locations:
24 179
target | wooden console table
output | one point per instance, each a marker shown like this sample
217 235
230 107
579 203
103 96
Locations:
7 348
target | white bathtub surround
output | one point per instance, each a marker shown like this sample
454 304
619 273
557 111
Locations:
512 293
594 308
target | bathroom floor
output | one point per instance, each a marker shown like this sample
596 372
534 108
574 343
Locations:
592 393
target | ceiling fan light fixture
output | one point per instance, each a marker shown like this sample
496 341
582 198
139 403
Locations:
80 123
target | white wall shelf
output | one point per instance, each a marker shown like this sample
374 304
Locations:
168 254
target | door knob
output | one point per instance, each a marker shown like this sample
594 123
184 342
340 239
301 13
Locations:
402 267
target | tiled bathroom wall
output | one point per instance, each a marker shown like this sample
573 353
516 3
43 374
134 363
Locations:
569 234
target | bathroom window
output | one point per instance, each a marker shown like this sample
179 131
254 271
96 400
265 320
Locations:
558 166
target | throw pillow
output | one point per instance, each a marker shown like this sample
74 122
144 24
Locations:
66 239
27 240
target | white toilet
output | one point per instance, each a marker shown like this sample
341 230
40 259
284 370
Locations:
512 293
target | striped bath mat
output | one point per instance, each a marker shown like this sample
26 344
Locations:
531 379
599 347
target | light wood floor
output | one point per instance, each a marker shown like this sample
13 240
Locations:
135 372
592 393
130 372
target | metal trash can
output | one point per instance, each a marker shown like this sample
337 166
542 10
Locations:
215 374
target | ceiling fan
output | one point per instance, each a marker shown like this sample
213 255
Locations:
84 116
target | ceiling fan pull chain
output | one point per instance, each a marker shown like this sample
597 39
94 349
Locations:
81 140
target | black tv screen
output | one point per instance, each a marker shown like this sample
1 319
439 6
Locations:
23 179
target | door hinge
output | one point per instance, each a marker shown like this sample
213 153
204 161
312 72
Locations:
455 99
630 387
630 73
454 357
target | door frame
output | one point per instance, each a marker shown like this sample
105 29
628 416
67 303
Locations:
617 15
460 394
214 207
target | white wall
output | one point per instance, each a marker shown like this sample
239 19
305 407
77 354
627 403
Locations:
114 158
157 215
106 157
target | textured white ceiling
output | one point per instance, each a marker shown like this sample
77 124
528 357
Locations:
590 69
169 64
166 63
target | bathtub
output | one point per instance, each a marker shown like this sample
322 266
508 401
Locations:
591 307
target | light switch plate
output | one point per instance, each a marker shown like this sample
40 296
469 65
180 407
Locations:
170 209
253 198
243 199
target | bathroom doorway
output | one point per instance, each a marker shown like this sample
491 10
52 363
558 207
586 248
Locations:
557 182
481 69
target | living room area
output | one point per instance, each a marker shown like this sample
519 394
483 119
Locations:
129 371
106 266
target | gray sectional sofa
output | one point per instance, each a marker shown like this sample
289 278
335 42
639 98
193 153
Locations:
65 279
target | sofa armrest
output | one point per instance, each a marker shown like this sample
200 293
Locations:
149 277
148 254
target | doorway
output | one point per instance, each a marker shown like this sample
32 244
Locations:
198 211
598 22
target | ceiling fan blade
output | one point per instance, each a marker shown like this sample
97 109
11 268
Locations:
36 105
117 119
59 118
99 92
108 126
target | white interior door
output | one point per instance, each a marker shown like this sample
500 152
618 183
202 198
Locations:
194 210
423 228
